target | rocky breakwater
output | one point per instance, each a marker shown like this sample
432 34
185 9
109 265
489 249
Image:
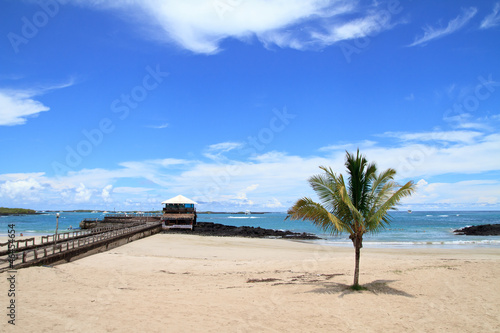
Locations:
217 229
480 230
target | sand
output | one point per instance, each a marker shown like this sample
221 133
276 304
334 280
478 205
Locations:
185 283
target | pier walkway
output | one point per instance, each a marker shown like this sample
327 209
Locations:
64 247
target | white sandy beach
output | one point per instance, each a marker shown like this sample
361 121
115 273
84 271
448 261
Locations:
184 283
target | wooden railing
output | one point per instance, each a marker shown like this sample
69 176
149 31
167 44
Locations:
49 247
23 244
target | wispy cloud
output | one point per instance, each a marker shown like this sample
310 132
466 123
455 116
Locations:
201 26
165 125
216 151
493 19
369 25
438 136
349 146
16 105
431 33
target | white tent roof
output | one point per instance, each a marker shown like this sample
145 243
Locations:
180 199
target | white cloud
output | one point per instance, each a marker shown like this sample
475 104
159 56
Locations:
349 146
493 19
224 147
201 26
435 158
358 28
20 176
275 177
131 190
216 151
471 193
438 136
106 193
17 106
431 33
27 189
274 203
488 200
82 194
422 183
252 187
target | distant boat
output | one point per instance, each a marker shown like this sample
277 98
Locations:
409 211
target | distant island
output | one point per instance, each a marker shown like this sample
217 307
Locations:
16 211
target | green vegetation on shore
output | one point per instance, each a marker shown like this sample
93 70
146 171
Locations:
15 211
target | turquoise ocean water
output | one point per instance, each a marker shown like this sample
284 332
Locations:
406 230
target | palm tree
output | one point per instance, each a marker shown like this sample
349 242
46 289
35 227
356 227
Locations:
360 206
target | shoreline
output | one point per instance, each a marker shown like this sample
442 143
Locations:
437 245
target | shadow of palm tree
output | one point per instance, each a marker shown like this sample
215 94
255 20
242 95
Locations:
376 287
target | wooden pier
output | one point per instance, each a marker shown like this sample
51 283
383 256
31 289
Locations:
68 246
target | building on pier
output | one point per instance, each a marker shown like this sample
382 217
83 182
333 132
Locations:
179 212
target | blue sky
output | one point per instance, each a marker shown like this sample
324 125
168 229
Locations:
235 103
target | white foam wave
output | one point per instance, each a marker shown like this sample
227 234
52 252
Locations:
410 244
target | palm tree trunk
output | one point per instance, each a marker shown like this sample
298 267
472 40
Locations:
358 244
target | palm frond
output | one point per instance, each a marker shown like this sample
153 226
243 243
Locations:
379 217
307 209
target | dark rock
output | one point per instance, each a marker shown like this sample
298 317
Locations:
217 229
88 224
480 230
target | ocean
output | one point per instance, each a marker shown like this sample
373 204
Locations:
427 229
